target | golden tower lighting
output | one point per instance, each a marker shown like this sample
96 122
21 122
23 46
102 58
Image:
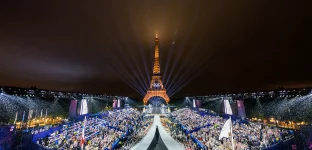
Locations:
156 87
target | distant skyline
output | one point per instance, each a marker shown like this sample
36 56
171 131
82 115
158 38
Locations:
107 46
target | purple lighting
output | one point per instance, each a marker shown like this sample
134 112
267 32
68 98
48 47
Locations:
72 108
198 105
241 108
115 103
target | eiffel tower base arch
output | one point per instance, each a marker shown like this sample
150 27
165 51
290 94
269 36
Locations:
150 94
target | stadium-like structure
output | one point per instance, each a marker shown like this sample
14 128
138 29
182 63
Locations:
47 119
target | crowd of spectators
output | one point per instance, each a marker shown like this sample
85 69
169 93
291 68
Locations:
191 128
139 131
190 119
99 133
208 128
41 129
178 134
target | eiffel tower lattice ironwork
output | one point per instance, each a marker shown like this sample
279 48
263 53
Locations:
156 87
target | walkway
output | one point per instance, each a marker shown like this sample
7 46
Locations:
170 143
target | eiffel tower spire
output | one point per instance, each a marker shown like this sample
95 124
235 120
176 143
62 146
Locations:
156 69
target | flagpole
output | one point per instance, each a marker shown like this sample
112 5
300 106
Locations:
28 120
23 119
36 117
15 118
83 132
40 115
232 134
45 118
15 127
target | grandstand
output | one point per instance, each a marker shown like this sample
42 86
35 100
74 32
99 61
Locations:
41 119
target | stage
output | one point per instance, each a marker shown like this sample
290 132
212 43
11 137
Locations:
170 143
156 110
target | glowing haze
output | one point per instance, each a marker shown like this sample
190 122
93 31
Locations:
107 46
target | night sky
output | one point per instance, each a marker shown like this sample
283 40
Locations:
206 46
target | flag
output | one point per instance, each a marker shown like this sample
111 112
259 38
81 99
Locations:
226 129
30 113
83 132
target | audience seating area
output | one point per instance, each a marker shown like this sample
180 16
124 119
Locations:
204 130
195 129
105 131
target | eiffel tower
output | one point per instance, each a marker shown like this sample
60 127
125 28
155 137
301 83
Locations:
156 87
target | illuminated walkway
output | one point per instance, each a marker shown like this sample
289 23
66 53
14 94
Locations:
170 143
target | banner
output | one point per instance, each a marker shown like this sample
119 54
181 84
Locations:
227 107
83 107
241 109
73 108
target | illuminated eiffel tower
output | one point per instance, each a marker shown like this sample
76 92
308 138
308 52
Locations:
156 87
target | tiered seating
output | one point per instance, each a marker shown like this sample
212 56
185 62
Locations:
99 133
70 136
206 132
140 130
